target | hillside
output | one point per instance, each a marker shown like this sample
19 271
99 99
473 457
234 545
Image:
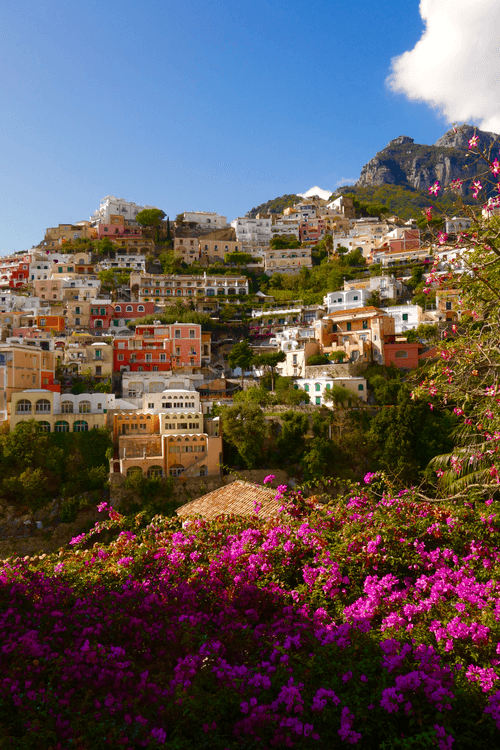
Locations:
275 206
413 165
404 201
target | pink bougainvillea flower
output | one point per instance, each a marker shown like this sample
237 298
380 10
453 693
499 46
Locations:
476 187
495 167
269 478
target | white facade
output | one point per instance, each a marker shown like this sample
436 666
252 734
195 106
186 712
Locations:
132 262
457 224
406 317
136 384
346 300
112 206
317 388
252 230
283 227
205 219
171 400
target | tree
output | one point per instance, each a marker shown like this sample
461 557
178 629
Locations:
269 362
105 247
245 428
241 355
151 217
291 441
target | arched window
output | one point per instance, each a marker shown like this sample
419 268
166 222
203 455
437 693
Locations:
80 426
66 407
61 426
155 471
98 323
118 308
176 470
43 427
306 388
317 387
42 406
84 407
401 354
129 308
140 308
23 406
134 471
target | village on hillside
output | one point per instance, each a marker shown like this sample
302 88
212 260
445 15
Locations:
98 320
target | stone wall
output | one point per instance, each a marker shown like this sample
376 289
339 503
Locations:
348 370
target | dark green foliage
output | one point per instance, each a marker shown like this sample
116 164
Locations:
290 442
318 359
275 206
36 466
404 437
244 428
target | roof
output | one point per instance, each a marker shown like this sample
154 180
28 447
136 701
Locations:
239 498
356 311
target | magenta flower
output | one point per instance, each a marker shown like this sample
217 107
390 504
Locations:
473 142
269 478
434 189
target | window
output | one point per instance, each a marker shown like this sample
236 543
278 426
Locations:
177 333
98 370
349 326
155 471
42 406
118 308
365 324
80 426
361 387
67 407
317 387
192 333
401 354
405 316
129 308
43 427
84 407
318 400
448 305
306 388
134 470
120 358
23 406
61 427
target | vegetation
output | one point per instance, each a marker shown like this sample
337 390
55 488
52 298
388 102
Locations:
275 206
37 466
252 612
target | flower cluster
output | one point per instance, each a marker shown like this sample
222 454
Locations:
358 621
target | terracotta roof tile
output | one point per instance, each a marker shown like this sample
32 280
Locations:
238 497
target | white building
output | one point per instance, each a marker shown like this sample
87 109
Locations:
406 317
112 206
319 386
346 300
457 224
287 228
205 219
252 230
131 262
137 384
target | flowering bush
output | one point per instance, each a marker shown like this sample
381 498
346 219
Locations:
371 620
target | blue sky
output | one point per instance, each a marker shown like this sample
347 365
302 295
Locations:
204 106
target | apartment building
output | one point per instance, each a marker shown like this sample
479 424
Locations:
360 333
162 288
167 437
159 348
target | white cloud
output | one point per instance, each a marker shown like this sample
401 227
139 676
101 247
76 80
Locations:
455 66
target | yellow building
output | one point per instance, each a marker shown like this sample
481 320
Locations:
56 412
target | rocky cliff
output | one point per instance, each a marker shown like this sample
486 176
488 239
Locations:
404 162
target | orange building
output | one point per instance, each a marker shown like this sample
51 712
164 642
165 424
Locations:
50 322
